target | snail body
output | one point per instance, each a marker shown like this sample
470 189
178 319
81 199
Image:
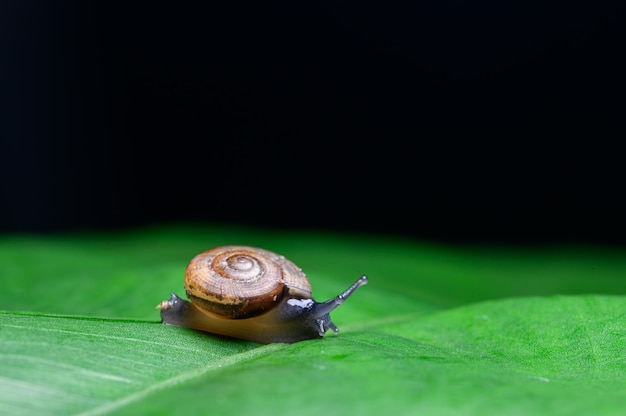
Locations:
251 293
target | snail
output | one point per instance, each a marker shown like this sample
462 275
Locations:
253 294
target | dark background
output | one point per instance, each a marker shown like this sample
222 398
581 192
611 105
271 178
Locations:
459 121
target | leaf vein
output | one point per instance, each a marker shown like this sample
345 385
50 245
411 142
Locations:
180 378
97 335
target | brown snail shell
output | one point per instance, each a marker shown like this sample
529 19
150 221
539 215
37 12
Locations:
240 282
251 293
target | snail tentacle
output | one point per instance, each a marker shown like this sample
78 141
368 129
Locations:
332 304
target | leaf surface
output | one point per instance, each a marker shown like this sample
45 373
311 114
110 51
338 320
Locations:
439 330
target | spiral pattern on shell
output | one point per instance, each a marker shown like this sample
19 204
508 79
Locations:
241 281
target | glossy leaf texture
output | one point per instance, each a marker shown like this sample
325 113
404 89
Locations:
439 330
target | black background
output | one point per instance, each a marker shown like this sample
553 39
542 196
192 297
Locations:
495 121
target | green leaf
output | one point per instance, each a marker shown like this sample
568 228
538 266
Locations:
64 365
493 358
79 333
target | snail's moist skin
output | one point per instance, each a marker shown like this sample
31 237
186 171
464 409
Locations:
291 321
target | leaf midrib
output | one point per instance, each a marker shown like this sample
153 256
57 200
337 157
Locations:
185 376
